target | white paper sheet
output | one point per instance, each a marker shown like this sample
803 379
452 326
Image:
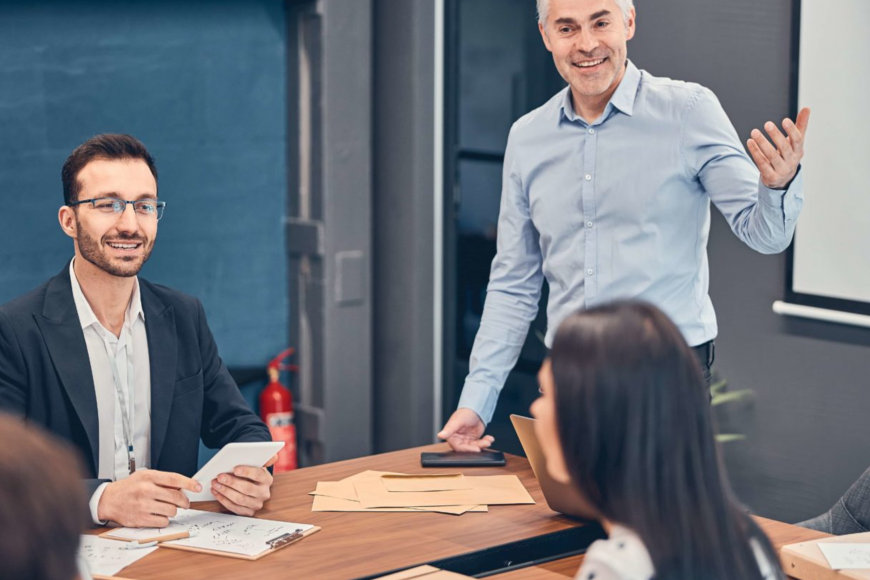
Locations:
108 557
139 534
229 533
846 556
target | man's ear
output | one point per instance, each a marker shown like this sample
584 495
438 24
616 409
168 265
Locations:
630 25
66 217
544 36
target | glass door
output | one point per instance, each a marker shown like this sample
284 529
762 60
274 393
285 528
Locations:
496 70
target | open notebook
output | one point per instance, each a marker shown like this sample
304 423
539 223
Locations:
219 534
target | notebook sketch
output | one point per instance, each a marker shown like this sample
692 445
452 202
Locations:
108 557
846 556
146 534
230 533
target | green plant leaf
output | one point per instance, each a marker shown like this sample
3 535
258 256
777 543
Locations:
718 387
731 396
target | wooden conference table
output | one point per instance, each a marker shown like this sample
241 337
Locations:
360 545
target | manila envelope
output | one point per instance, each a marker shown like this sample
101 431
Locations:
373 494
344 489
340 496
486 490
499 489
425 482
424 573
336 489
370 475
324 503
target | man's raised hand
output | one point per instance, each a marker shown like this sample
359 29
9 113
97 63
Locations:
778 162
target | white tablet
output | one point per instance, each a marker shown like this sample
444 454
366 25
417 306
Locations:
252 454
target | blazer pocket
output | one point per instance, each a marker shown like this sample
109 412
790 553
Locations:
189 384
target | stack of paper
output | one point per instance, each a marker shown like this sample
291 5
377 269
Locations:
453 493
424 573
107 557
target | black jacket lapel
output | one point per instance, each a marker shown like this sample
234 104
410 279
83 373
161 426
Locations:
65 340
162 354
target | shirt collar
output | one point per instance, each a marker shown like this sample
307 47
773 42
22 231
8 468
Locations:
86 313
623 98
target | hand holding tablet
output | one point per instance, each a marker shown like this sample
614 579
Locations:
251 454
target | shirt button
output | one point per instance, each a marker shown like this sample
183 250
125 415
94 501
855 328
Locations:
591 131
588 177
588 224
590 271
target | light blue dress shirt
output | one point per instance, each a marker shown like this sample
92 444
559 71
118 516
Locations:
618 209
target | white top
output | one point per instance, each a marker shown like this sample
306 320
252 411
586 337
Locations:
623 556
130 353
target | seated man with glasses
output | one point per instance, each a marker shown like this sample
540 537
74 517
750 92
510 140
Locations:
126 370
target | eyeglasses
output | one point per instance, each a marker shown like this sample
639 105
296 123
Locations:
150 208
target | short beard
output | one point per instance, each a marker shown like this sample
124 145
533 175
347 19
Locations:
90 250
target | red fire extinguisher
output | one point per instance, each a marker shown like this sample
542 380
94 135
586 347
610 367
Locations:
276 410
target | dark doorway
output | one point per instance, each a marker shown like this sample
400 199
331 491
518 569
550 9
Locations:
496 70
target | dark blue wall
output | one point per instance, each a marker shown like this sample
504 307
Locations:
202 84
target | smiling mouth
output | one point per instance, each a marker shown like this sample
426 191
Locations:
124 246
589 65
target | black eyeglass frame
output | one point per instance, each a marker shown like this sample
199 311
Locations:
160 205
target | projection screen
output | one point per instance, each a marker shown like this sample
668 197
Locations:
829 262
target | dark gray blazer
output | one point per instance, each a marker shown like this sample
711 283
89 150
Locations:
45 376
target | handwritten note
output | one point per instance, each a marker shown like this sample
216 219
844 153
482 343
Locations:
108 557
846 556
229 533
143 535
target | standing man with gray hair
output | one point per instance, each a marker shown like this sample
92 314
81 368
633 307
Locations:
606 192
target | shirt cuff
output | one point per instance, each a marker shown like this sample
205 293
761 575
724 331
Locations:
481 399
94 504
789 201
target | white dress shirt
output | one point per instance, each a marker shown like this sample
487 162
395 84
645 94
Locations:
130 352
618 208
623 556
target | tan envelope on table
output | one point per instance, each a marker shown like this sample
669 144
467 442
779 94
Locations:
336 489
323 503
340 496
370 475
344 489
499 489
373 494
424 573
492 490
425 482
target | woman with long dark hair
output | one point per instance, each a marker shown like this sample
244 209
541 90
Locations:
624 416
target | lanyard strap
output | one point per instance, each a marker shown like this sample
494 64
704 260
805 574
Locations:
126 412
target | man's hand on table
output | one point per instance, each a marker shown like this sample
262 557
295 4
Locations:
464 431
778 165
146 499
244 491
